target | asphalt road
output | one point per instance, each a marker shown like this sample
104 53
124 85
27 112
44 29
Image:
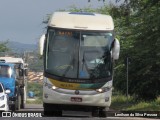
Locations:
67 115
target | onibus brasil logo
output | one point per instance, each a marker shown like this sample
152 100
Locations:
21 114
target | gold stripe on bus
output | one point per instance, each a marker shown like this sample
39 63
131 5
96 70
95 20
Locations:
65 85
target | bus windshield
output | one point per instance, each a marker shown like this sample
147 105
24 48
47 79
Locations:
78 54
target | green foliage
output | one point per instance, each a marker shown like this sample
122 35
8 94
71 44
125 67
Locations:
73 8
3 46
35 61
36 88
36 65
140 40
35 101
120 102
145 106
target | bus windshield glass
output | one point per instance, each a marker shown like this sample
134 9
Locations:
78 54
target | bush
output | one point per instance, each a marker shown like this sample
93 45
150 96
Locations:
36 88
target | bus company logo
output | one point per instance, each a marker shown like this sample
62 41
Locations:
6 114
77 92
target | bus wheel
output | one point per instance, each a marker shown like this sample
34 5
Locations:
99 112
102 112
13 107
95 112
57 113
47 109
22 102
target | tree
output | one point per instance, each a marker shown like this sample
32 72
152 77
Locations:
143 45
146 53
3 46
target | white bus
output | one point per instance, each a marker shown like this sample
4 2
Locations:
79 50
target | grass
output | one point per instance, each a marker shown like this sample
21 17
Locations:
119 102
146 106
36 101
37 89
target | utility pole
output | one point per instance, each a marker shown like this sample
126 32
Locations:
127 59
127 77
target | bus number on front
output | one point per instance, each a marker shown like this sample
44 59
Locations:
65 33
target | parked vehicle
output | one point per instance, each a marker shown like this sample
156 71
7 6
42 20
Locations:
4 106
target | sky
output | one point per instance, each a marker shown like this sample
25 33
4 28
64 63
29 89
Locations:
21 20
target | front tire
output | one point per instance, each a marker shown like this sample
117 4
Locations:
99 112
13 107
18 99
47 109
102 113
18 102
50 110
95 112
22 106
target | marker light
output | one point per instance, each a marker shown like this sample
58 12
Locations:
54 87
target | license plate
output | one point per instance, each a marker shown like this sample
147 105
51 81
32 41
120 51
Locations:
76 99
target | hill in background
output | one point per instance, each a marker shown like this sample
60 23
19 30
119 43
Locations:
18 47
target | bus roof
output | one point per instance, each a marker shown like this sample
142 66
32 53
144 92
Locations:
81 20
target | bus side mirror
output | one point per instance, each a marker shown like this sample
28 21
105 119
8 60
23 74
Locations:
41 44
116 49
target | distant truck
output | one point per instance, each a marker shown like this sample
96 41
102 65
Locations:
13 74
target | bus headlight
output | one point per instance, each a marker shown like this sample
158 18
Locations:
105 89
54 87
50 86
99 90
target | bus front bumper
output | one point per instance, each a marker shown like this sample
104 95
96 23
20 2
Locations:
69 97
